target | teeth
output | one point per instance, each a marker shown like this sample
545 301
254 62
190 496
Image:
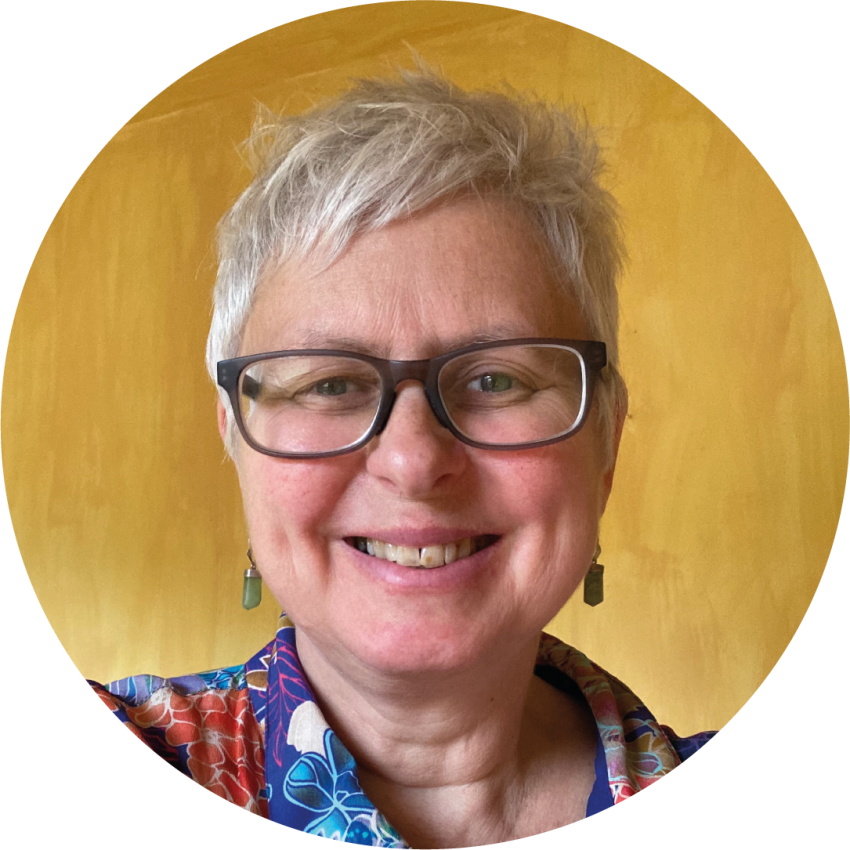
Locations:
432 556
427 557
407 556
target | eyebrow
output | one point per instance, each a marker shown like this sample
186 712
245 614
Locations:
319 340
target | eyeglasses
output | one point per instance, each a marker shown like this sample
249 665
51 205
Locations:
509 394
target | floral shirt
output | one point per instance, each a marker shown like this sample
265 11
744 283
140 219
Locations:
254 735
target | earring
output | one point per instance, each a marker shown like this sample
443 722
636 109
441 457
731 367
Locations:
252 585
593 585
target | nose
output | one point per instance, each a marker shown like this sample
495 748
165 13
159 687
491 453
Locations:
414 454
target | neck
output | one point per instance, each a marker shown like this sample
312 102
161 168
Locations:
432 728
451 758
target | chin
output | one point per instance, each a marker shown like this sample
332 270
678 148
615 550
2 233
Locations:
420 645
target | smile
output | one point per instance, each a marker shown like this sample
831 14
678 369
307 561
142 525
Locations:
425 557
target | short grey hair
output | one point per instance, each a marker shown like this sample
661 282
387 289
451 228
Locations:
388 148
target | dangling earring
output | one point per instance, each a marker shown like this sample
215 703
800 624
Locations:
252 585
593 586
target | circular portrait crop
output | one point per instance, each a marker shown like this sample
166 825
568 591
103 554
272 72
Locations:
440 452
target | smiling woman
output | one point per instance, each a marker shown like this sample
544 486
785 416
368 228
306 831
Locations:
415 339
413 289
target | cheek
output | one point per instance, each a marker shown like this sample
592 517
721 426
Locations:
563 482
288 502
553 497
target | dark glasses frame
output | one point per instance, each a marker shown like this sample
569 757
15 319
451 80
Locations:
427 372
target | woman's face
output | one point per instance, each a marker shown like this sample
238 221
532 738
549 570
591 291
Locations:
417 289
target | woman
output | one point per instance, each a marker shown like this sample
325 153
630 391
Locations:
415 340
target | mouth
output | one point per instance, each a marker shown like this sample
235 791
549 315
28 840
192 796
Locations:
422 557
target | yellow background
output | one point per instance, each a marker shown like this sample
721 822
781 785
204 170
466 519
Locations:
734 454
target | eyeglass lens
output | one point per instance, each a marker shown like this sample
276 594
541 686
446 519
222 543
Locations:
497 396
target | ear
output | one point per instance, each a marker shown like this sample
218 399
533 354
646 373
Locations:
619 420
221 415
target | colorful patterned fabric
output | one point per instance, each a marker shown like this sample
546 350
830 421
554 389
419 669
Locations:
255 735
203 725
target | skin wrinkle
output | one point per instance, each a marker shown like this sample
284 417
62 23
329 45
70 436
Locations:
433 691
494 777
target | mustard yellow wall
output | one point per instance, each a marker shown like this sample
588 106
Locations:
734 454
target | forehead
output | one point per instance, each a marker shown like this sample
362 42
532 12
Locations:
469 271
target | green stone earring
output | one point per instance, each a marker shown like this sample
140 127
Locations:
593 584
252 585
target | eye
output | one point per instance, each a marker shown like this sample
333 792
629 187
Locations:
493 382
332 386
